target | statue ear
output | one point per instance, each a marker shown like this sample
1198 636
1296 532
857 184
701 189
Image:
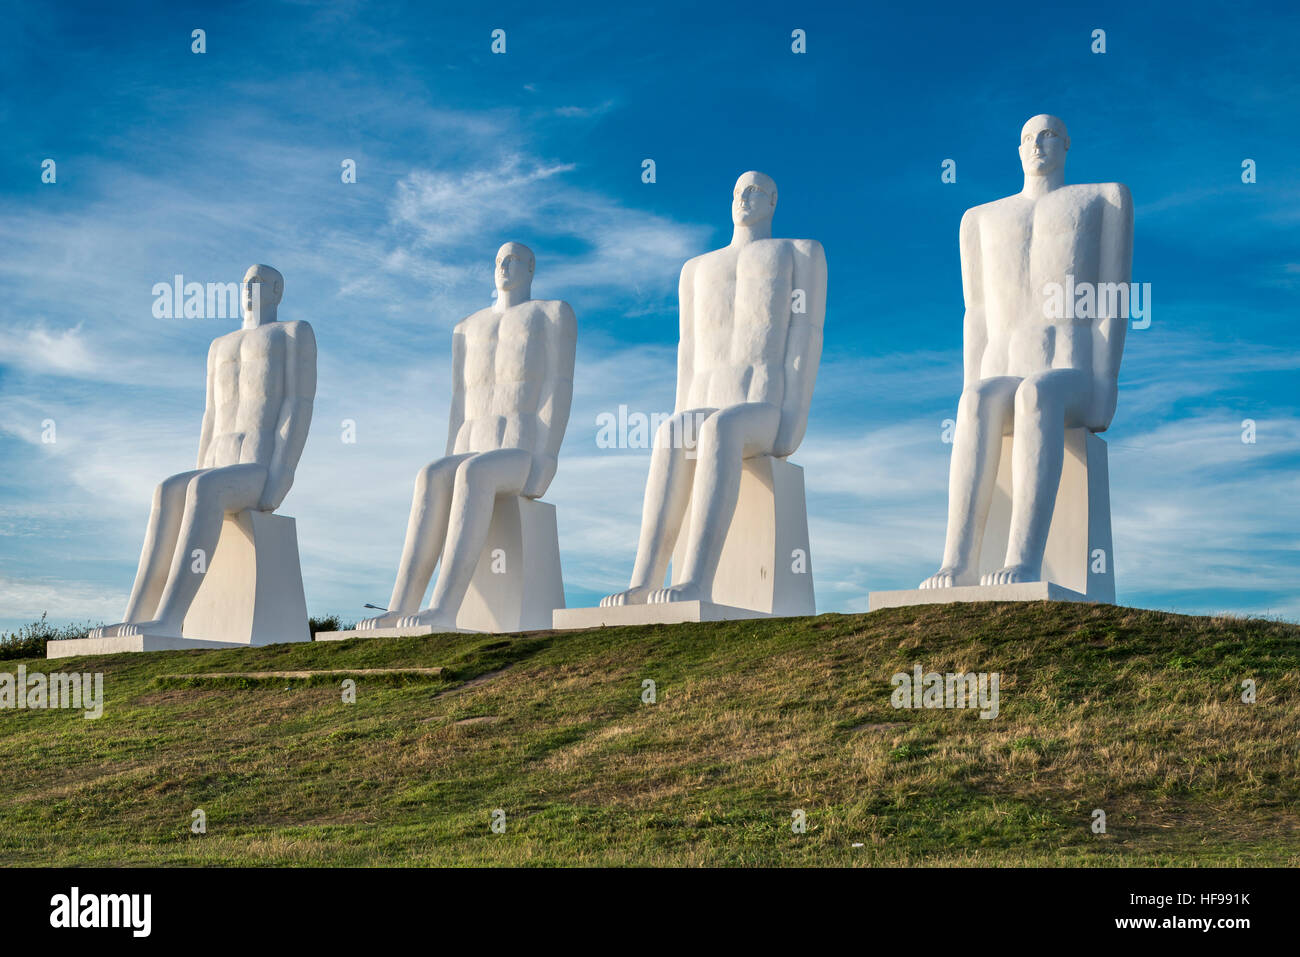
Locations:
1067 142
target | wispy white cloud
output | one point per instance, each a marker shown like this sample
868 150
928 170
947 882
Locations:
622 253
42 350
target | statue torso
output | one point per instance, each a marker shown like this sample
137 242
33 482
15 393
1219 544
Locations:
247 392
1025 244
740 316
504 370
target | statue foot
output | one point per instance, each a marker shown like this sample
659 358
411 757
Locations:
633 596
1010 575
686 591
160 627
946 577
380 621
429 618
107 631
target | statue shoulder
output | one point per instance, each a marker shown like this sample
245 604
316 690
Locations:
221 340
555 308
298 329
808 249
777 252
473 318
1116 194
559 313
972 217
691 265
299 333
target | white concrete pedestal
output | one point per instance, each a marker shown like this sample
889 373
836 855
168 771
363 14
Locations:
517 583
1078 563
669 613
1022 591
251 594
765 569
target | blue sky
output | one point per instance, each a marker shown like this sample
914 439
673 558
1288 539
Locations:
171 162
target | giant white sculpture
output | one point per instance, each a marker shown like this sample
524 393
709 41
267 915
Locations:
217 566
1028 497
475 512
721 502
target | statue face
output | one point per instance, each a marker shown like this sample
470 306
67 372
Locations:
514 267
753 200
1043 144
262 290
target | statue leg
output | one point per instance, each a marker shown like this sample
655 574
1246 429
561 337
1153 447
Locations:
1045 404
726 439
479 480
426 531
156 555
667 495
983 417
209 496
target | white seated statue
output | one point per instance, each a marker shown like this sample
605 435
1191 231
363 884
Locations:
751 340
1037 381
512 385
216 565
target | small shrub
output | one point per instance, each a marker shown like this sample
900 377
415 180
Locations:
328 623
29 640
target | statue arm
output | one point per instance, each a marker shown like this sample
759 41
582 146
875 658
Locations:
975 333
1109 331
209 410
295 413
685 336
803 346
556 398
456 417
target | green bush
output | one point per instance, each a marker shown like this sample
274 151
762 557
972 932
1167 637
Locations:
29 640
328 623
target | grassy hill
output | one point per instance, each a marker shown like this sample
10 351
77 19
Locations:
1135 712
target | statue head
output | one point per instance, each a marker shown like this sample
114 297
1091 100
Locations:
515 265
263 288
1043 144
753 201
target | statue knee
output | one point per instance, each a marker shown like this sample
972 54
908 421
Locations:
675 432
201 490
162 492
1031 398
426 477
719 433
969 404
471 473
171 488
435 475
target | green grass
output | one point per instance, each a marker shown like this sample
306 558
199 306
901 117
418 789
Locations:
1135 712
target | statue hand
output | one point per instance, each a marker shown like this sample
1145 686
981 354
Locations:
539 477
785 442
1102 407
270 500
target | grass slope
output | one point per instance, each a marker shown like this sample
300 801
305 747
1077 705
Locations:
1135 712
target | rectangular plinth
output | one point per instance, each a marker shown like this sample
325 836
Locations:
110 646
667 613
766 563
1022 591
419 631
